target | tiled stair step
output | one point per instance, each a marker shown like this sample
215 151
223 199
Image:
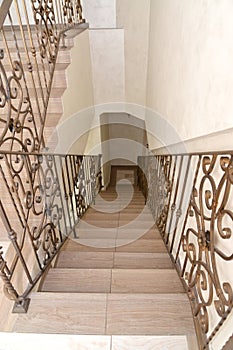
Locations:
63 60
143 215
84 231
12 49
69 42
54 107
109 260
107 314
113 281
95 209
108 223
136 193
18 341
119 245
139 199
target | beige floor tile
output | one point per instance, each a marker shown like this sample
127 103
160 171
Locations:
100 216
148 314
89 260
146 281
93 224
19 341
149 343
85 245
142 261
136 233
78 280
97 233
64 313
140 246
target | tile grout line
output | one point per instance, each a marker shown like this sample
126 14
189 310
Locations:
111 342
106 314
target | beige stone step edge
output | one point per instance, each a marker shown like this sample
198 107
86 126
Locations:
19 341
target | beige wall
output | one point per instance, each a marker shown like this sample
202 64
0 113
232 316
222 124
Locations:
71 134
190 69
133 16
100 13
79 94
107 56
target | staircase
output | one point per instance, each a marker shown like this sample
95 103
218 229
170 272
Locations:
40 76
115 285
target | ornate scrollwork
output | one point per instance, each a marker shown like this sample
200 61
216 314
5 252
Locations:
45 21
72 10
202 247
18 130
204 237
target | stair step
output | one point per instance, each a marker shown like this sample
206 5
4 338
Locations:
142 260
111 314
55 105
112 281
92 223
88 260
148 314
19 341
108 260
149 343
119 245
100 216
140 246
91 245
145 281
87 231
132 234
92 342
78 281
64 313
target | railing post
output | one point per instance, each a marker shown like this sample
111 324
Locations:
21 305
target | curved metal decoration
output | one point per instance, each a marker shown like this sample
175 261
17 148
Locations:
43 212
18 129
37 204
197 229
47 34
205 243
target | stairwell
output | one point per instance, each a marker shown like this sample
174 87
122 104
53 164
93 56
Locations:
116 281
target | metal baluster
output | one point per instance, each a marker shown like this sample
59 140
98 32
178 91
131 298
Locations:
179 210
66 195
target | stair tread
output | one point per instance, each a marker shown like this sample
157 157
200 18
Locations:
123 260
64 313
149 314
113 281
140 245
94 342
78 280
119 245
112 314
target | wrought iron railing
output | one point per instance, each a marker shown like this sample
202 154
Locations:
31 32
40 212
191 199
42 196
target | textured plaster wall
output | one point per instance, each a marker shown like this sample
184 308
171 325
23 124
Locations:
190 69
100 13
107 56
133 16
78 100
79 94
